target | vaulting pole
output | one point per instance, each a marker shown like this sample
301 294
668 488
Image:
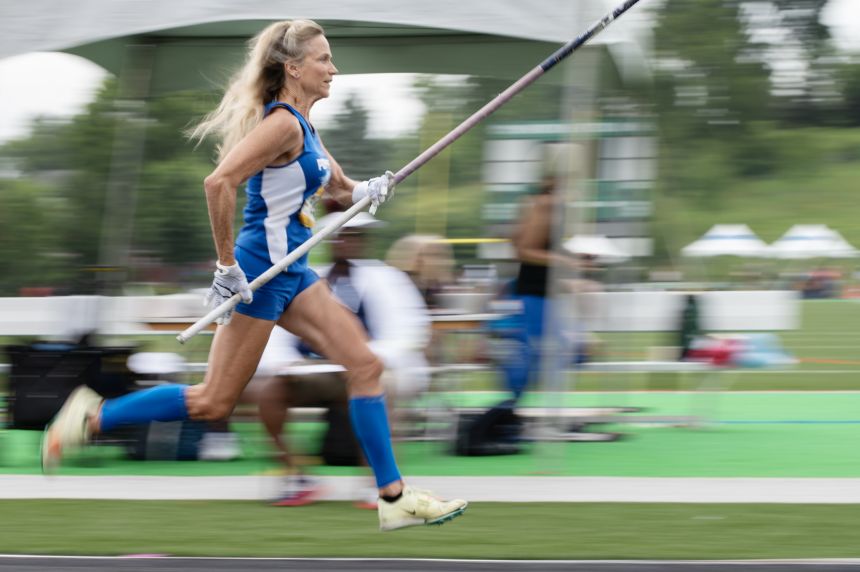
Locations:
519 85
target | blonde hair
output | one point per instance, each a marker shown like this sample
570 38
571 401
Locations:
258 82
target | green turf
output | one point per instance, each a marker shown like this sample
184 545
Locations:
723 406
760 435
487 530
666 452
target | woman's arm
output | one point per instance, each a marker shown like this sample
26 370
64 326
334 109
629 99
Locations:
278 135
339 185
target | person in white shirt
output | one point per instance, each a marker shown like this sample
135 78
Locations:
290 374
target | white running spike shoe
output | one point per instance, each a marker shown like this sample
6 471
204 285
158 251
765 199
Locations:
417 507
70 427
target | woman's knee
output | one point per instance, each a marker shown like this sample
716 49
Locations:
364 375
204 405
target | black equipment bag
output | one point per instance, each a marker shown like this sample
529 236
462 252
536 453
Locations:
42 376
496 431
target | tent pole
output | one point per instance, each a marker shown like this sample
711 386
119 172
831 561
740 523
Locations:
125 167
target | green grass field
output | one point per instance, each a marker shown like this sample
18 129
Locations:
814 183
827 345
487 530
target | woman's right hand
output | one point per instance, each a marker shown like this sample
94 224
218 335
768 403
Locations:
229 280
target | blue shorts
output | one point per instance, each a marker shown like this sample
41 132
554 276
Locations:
273 297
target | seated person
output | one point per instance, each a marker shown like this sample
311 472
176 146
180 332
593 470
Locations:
429 262
396 318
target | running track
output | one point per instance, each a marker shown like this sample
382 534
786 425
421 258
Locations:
483 489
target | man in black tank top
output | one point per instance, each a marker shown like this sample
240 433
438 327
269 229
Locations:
532 241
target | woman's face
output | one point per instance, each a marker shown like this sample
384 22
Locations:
317 69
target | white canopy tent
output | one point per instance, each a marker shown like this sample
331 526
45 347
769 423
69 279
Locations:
812 241
599 246
844 248
727 240
198 42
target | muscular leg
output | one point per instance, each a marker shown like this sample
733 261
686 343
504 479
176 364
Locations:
333 331
317 317
233 358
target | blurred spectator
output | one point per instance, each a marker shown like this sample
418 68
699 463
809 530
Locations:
394 314
689 327
534 246
821 283
429 262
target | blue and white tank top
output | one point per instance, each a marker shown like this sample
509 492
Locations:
275 196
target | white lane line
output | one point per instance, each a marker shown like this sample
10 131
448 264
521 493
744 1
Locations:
478 489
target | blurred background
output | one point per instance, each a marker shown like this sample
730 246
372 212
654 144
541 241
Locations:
729 112
704 159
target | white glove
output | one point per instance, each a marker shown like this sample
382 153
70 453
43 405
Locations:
378 189
229 280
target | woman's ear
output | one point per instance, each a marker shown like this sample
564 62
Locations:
292 70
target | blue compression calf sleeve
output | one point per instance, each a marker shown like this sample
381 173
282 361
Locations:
161 403
370 423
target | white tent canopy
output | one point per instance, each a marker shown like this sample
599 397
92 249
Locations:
844 249
812 241
599 246
727 240
197 42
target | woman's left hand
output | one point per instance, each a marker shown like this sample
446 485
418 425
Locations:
379 189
